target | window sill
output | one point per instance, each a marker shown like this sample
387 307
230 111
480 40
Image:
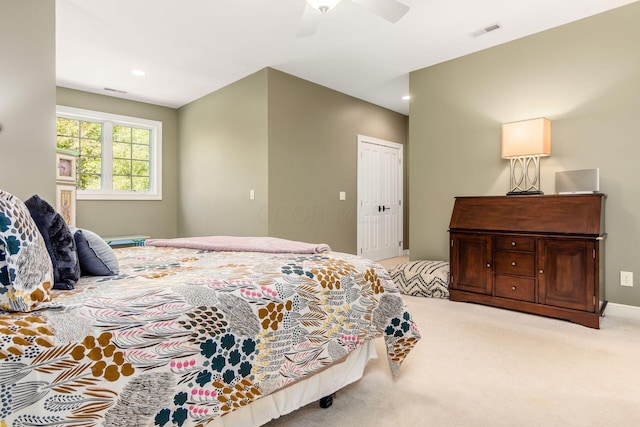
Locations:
84 195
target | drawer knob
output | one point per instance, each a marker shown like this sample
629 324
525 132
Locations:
541 271
513 243
488 265
513 263
513 288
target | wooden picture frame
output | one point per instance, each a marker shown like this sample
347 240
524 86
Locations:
66 202
65 167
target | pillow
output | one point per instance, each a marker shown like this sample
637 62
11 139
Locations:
422 278
26 273
59 243
95 255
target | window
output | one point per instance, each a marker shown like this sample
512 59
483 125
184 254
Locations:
119 157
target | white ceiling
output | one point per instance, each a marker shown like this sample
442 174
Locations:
189 48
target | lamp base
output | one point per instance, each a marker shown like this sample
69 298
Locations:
525 175
525 193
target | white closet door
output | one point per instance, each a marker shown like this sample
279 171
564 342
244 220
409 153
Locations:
379 198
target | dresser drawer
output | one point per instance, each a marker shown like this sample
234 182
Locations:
515 288
515 243
516 263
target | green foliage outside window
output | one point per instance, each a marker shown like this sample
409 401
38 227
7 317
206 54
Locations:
86 139
130 154
131 164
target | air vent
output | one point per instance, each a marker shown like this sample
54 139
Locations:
114 90
485 30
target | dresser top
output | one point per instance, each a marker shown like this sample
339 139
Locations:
576 214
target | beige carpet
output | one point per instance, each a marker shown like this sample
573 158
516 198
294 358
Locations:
483 366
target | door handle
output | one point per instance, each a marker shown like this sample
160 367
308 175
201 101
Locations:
382 208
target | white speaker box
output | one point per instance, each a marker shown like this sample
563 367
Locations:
582 181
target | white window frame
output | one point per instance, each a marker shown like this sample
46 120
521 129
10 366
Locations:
155 155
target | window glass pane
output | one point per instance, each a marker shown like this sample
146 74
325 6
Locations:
121 183
141 136
67 143
91 130
121 150
121 133
140 152
140 183
121 167
68 127
90 165
89 171
67 132
90 182
140 168
89 147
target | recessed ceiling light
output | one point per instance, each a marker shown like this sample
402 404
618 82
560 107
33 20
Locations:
138 73
406 97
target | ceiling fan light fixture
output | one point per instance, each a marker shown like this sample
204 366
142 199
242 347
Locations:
323 5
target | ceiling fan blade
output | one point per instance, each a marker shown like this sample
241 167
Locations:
309 22
391 10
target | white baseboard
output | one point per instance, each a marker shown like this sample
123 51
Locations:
622 310
405 252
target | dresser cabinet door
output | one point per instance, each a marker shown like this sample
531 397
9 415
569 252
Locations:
471 263
566 274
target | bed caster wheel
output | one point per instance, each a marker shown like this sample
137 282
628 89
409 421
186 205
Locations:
327 401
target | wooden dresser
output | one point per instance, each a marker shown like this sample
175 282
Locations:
536 254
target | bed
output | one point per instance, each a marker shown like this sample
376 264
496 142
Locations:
189 336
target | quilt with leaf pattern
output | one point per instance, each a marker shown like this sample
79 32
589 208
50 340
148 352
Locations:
182 336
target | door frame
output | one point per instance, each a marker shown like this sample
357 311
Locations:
363 139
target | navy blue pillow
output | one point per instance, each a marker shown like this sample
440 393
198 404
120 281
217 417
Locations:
95 255
59 242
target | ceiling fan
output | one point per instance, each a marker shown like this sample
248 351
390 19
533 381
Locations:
391 10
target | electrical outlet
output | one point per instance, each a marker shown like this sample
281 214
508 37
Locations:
626 278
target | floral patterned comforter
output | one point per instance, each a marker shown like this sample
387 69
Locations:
182 336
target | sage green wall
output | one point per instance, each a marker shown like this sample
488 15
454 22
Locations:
156 218
223 155
27 98
291 141
584 77
313 149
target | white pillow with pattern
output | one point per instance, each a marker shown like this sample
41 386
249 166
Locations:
26 272
422 278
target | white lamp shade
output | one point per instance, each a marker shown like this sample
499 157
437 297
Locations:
526 138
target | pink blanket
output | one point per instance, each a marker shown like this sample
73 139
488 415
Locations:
242 244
